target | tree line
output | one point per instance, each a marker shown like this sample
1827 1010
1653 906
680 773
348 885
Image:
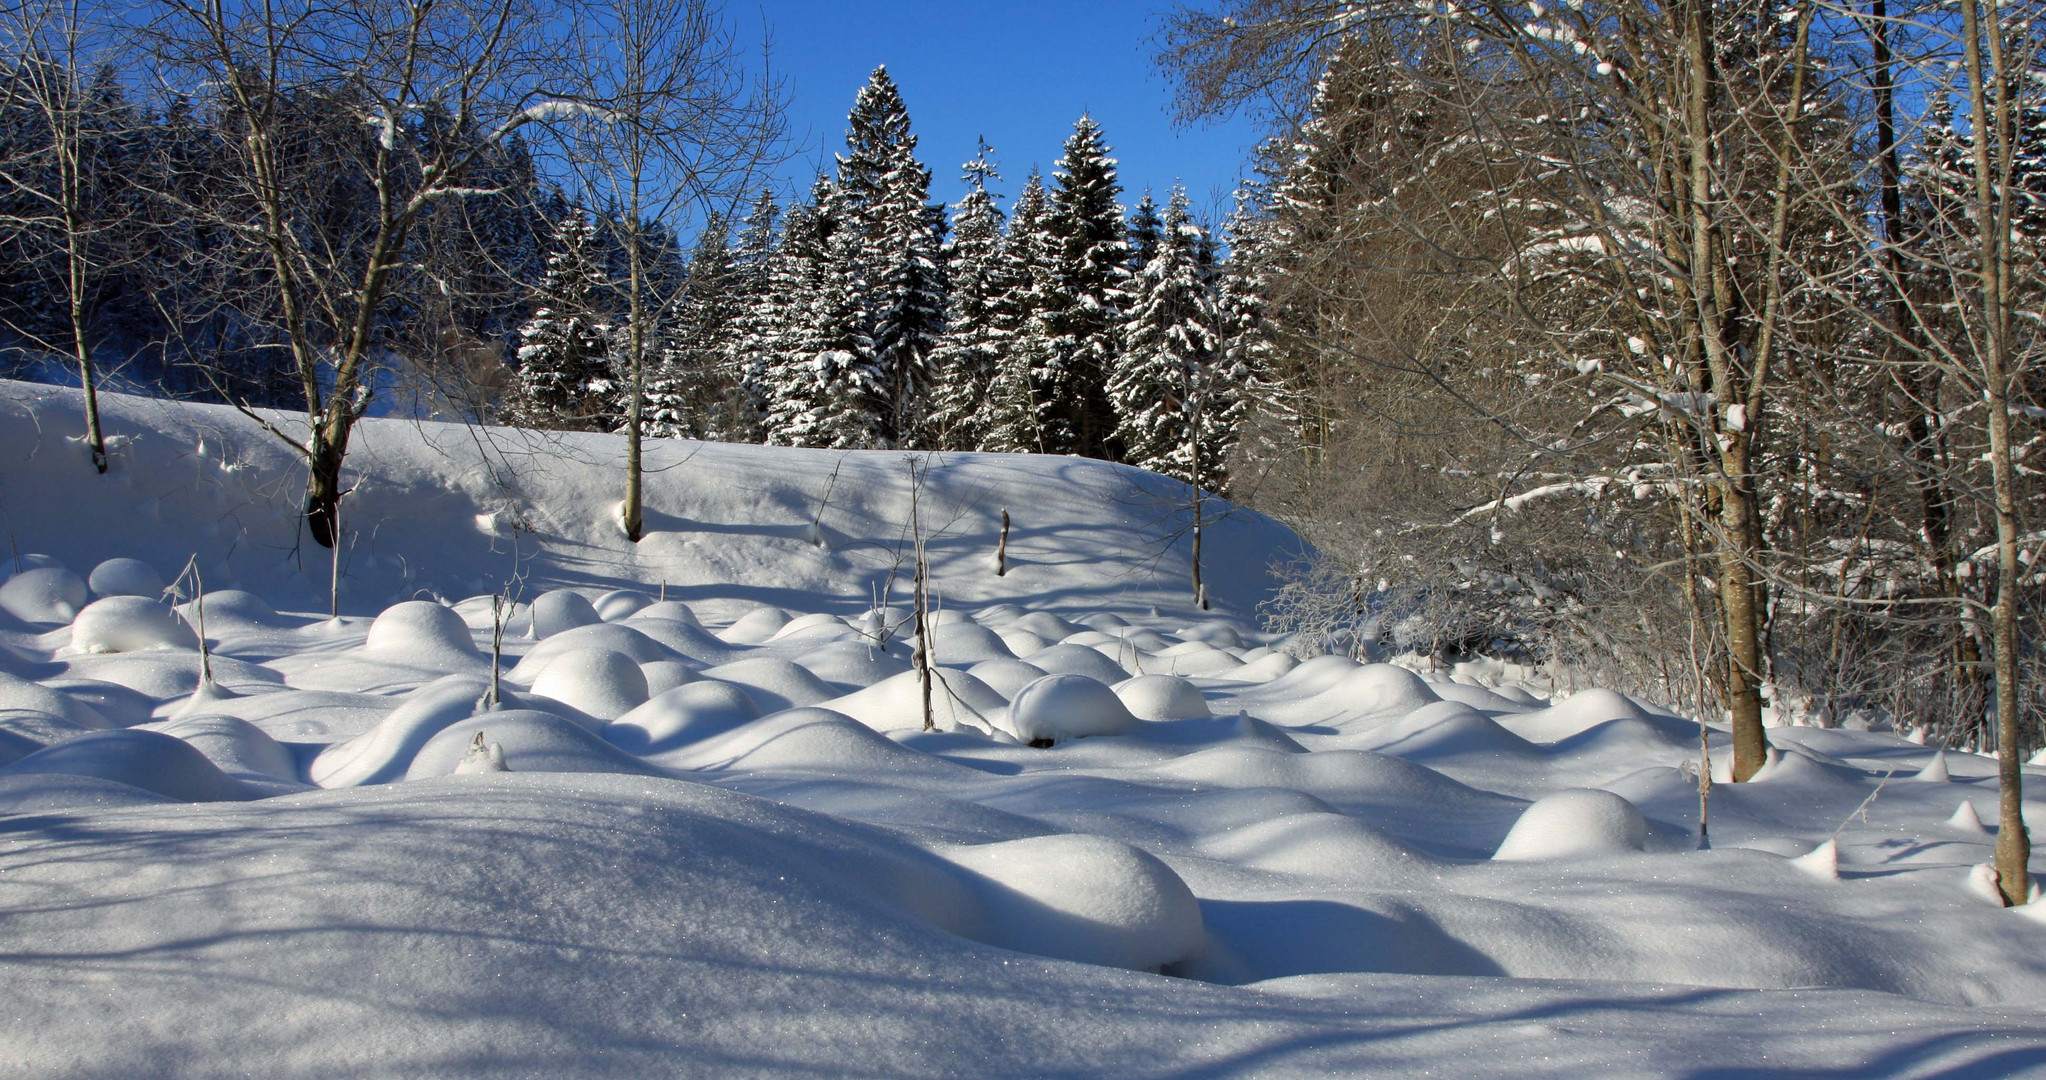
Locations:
1692 345
863 316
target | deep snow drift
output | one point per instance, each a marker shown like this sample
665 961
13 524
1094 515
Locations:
706 835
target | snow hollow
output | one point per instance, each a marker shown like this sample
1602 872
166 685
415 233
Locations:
692 823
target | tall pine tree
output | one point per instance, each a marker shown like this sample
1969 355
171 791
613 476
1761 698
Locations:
1012 417
565 378
972 349
1086 304
1170 413
884 197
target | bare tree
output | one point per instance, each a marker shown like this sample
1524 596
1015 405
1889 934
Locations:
57 181
678 133
414 93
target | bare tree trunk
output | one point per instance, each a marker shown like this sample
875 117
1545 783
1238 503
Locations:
1993 129
1738 524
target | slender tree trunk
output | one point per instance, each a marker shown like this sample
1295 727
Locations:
1992 130
1738 524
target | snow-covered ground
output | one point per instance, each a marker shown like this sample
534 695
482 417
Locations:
705 835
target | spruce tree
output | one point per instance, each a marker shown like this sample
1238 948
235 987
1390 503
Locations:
967 357
688 379
1085 306
823 387
1146 232
756 308
565 378
884 197
1012 417
1163 384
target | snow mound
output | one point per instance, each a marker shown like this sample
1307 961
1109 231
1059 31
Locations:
963 644
636 645
820 624
621 604
530 742
680 716
1085 898
1045 625
756 626
1021 643
1935 771
1061 707
28 707
685 638
383 753
665 675
603 683
1575 715
896 703
239 748
1066 659
1449 729
1966 819
670 610
1318 845
1194 659
773 683
1579 821
558 610
424 634
1264 668
149 760
1007 677
125 577
119 623
45 596
1162 697
811 741
851 664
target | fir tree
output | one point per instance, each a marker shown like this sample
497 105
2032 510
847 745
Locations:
1163 385
1146 232
972 349
884 195
1011 417
565 378
824 389
689 379
756 307
1085 306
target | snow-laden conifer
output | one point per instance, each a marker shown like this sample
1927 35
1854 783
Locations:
973 345
565 378
1084 307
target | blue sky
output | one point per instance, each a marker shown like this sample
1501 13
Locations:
1020 74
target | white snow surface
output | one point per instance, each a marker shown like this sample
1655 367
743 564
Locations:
696 826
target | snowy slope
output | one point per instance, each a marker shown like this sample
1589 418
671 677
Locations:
459 511
708 837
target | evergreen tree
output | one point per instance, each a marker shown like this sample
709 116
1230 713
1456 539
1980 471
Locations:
689 379
884 195
1146 232
1085 306
757 307
968 356
1163 386
565 378
1017 316
824 389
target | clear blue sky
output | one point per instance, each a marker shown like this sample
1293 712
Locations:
1019 73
